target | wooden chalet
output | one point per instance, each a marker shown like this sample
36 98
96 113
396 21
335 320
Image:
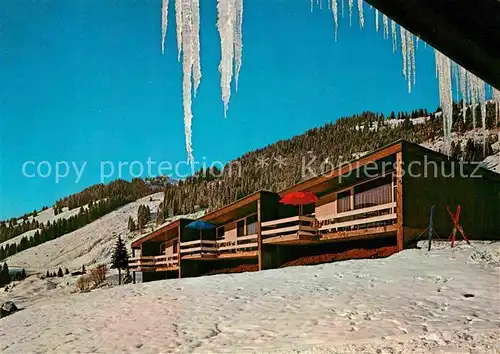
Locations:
235 238
382 199
157 254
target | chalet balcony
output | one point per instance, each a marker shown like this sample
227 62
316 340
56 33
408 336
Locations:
239 247
154 263
295 229
367 209
210 249
199 249
379 217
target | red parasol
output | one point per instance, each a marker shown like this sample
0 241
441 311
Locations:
299 198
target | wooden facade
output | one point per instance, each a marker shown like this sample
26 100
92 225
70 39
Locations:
157 254
435 179
382 198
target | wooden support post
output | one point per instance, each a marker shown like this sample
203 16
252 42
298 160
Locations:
259 234
431 230
399 201
133 273
179 230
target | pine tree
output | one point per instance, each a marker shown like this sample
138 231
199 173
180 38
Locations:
83 269
119 258
66 271
60 272
131 224
4 275
23 274
48 274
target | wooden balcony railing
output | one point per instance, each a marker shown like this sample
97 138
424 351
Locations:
162 261
295 226
199 248
360 218
242 243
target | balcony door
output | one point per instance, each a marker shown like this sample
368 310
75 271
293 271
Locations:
240 228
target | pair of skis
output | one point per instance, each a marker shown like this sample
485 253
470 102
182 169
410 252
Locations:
455 217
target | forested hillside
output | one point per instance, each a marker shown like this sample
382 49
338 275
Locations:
112 195
279 165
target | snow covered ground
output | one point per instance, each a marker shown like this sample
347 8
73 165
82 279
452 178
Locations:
88 245
447 300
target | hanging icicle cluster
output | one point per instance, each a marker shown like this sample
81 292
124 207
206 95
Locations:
187 16
229 24
471 88
443 68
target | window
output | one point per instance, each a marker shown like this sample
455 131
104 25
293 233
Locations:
220 232
163 246
375 192
344 201
252 224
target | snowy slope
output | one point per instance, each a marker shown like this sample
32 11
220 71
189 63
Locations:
88 245
412 301
493 162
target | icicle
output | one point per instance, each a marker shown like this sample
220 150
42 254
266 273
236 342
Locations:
361 15
178 20
496 99
410 44
418 40
342 8
474 95
403 48
463 90
413 60
394 36
386 26
335 17
351 4
443 67
312 5
164 22
187 67
196 45
225 25
482 101
376 20
238 39
454 72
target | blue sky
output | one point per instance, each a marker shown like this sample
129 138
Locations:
86 81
